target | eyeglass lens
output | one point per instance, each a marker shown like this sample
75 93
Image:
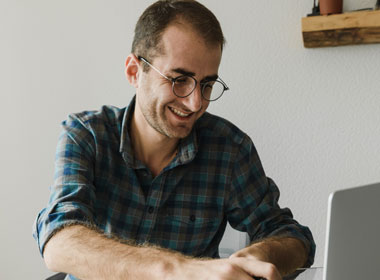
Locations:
185 85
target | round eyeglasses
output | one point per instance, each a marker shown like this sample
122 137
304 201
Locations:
185 85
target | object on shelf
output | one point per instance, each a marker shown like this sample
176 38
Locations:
377 6
315 10
329 7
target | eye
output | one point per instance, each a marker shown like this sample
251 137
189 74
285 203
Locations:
208 84
182 80
207 89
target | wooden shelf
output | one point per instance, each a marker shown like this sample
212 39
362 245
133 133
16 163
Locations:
341 29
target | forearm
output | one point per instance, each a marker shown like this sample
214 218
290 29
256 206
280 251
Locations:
88 254
287 254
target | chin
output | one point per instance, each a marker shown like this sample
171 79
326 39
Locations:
179 134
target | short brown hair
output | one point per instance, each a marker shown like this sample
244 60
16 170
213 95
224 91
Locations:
157 17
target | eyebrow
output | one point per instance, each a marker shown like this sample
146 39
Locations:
188 73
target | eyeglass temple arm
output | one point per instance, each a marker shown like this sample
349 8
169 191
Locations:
224 84
158 71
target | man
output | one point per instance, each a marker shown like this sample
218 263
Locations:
145 192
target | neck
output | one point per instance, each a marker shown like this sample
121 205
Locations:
152 148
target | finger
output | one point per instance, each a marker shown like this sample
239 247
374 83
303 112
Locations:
258 268
231 271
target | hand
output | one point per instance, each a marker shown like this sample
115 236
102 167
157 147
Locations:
286 254
226 269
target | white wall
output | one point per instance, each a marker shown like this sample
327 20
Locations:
313 113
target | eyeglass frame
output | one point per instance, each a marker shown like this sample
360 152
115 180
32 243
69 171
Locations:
173 80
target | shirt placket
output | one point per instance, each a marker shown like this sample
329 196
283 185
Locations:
152 204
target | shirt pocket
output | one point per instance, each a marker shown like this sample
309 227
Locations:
188 230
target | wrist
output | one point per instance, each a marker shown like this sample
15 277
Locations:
254 251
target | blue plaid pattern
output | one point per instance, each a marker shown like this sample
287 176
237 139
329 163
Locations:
216 177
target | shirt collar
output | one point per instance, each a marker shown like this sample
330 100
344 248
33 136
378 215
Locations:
187 147
125 140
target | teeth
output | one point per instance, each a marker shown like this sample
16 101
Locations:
179 113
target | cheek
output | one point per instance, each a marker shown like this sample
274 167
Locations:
205 105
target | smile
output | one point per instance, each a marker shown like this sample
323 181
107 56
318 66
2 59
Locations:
179 113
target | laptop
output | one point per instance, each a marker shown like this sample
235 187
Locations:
352 237
353 234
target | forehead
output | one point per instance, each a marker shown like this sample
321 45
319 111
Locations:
184 48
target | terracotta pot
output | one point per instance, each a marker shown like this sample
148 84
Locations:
328 7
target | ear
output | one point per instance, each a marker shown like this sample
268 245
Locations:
132 65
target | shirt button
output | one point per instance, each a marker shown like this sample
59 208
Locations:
192 218
151 209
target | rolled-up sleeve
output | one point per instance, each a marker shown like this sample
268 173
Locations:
253 206
72 195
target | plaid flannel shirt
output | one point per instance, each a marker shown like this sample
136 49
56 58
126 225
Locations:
215 177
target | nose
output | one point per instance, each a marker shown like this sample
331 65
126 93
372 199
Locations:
194 101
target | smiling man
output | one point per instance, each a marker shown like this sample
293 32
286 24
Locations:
145 192
160 119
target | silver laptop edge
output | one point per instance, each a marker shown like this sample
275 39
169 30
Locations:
352 248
